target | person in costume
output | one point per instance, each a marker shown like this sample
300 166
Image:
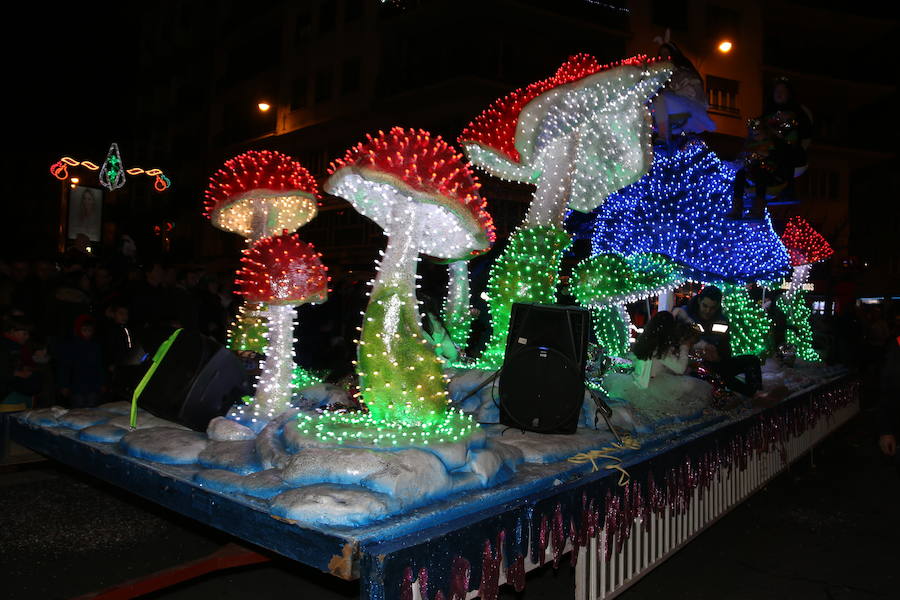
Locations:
774 152
682 104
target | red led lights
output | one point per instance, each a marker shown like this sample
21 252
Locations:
804 244
282 270
257 170
426 164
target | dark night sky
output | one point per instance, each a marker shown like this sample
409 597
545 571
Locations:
69 72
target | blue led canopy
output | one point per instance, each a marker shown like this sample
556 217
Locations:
678 210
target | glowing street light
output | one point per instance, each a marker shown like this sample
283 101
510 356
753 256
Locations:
264 106
725 47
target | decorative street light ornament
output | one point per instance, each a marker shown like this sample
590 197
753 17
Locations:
282 272
805 247
578 136
110 175
426 199
261 193
112 172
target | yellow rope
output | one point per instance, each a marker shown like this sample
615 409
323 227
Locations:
628 443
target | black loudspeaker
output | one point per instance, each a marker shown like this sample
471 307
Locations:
196 380
542 381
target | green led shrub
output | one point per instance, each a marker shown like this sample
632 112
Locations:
748 323
527 271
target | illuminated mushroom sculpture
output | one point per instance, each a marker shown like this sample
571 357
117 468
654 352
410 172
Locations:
261 193
425 198
805 246
255 195
579 136
607 282
281 272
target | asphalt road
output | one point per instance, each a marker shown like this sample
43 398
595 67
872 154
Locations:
827 529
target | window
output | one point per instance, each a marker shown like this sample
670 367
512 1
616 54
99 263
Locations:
722 94
350 76
300 92
324 81
327 16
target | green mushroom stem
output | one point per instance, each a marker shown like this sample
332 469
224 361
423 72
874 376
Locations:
748 324
611 324
457 313
401 379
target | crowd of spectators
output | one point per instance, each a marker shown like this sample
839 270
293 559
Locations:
76 329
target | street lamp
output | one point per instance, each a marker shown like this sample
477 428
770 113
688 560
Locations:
725 46
264 106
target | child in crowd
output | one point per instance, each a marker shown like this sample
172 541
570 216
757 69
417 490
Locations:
19 383
81 374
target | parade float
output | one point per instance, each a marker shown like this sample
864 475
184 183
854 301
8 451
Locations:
416 491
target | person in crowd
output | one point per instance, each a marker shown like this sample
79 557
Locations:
80 372
714 346
19 383
889 399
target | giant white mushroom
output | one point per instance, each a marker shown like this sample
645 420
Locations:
425 198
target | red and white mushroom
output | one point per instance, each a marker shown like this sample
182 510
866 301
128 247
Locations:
282 272
805 247
261 193
425 198
580 135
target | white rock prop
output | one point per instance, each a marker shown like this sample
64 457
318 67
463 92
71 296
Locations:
264 484
409 476
122 407
326 504
165 445
221 429
45 417
269 446
238 456
80 418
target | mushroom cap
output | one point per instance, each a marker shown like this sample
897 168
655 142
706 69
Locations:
507 137
407 170
608 279
804 244
282 270
261 182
